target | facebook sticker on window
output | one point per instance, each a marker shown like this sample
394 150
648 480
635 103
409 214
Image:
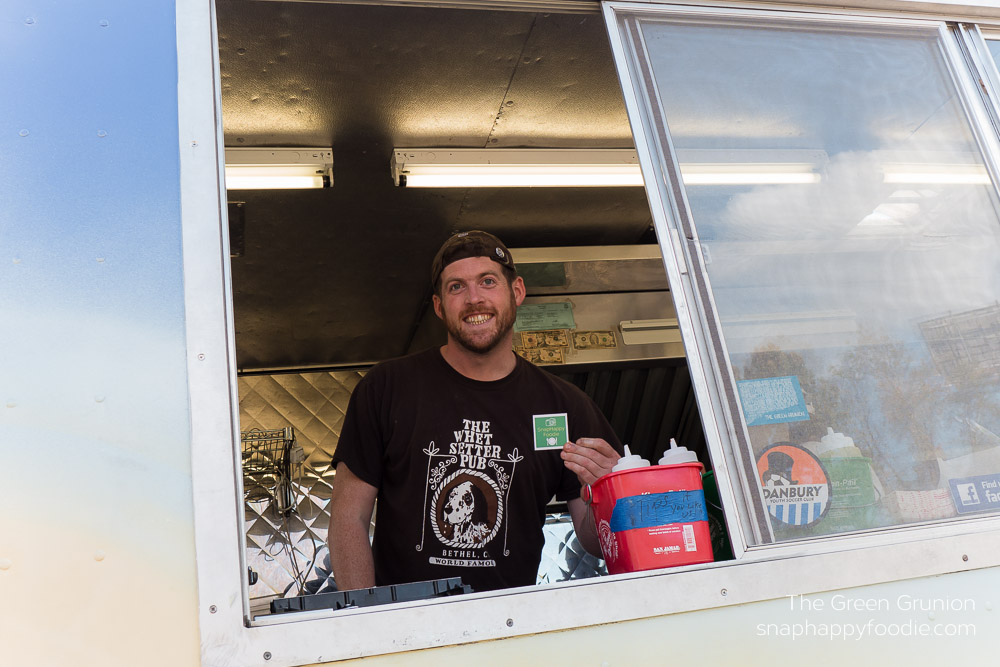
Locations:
976 494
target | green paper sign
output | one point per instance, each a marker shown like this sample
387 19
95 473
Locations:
543 316
551 431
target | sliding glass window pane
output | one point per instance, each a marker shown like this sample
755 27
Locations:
993 45
852 246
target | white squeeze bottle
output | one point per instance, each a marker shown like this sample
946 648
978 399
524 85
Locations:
630 461
837 444
676 455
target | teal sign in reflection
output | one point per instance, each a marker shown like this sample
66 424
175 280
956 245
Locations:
772 400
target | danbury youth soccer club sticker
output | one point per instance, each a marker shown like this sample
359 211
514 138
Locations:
795 485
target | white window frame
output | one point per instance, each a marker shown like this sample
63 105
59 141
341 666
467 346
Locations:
229 637
712 378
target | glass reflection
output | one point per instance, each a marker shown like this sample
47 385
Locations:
993 45
861 308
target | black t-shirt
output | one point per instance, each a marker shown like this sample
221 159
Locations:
461 489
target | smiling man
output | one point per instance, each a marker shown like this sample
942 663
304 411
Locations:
445 441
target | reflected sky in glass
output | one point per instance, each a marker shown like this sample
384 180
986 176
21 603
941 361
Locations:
864 283
877 107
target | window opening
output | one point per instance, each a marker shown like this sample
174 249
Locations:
329 281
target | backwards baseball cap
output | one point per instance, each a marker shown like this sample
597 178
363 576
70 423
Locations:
474 243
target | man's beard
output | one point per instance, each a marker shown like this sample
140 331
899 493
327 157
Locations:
504 320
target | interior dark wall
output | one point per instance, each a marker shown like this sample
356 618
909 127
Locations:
339 276
646 403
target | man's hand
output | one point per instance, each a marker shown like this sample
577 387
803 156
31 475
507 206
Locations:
589 458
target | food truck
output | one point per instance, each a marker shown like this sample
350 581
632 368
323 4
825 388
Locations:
767 231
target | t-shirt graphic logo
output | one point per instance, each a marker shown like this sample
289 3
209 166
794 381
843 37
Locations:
466 509
466 495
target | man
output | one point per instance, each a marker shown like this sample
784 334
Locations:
445 440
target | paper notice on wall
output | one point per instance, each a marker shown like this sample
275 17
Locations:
542 316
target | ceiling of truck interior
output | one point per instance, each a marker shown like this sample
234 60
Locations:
339 276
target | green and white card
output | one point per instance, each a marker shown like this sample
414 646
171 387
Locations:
551 431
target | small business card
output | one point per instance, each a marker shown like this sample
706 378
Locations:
551 431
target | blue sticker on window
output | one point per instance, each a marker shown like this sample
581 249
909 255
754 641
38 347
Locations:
772 400
658 509
976 494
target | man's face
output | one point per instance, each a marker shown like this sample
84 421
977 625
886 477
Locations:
477 304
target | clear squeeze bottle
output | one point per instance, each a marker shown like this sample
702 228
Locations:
676 455
629 461
837 445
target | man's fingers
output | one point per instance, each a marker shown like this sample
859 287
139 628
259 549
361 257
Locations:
589 458
587 470
597 444
594 449
585 475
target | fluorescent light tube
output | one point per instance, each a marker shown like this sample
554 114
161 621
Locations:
538 177
748 174
543 167
936 174
278 168
502 167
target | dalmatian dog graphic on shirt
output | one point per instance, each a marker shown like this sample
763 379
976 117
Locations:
464 515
